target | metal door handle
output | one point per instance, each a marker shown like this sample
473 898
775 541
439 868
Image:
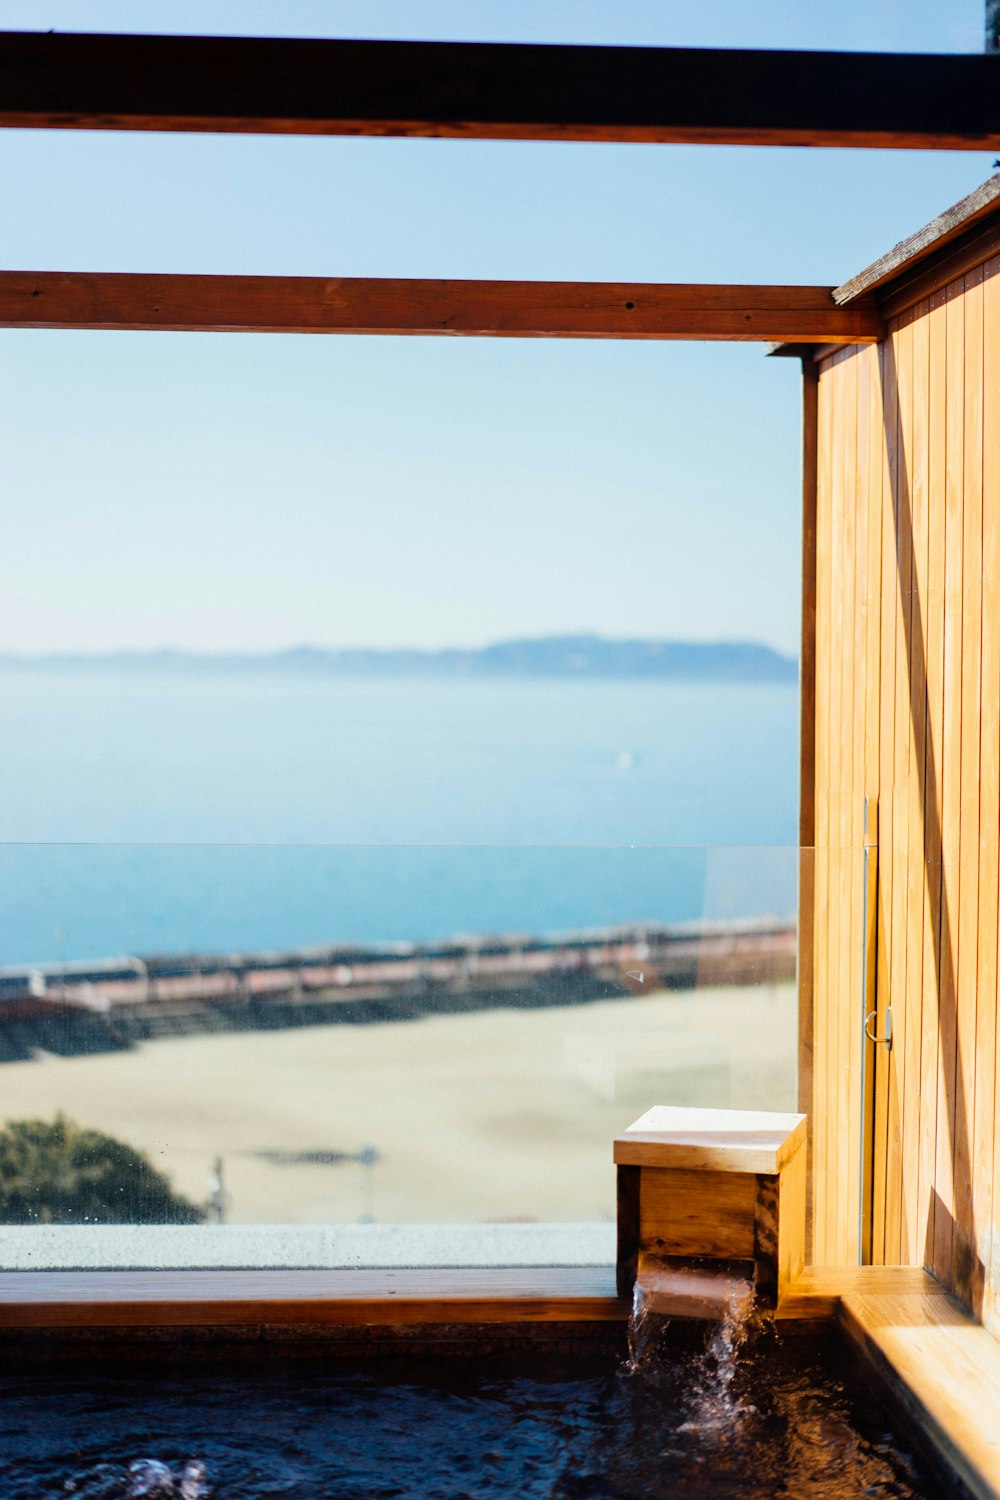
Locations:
887 1039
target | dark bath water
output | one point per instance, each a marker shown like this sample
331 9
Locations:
796 1421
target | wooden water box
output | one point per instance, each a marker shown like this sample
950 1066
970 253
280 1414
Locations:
713 1185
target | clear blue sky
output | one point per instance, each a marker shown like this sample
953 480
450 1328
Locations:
259 491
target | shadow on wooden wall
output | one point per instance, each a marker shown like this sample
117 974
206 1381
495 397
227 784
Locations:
961 1270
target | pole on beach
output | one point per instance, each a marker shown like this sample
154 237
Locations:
218 1198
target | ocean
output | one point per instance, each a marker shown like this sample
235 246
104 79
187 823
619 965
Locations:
187 813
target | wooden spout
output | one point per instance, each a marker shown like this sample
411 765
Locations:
673 1290
697 1185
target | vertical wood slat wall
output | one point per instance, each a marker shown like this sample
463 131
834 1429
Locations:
907 711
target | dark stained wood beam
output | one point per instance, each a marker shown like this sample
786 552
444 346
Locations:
491 309
498 92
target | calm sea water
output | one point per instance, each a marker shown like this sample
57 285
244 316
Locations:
180 813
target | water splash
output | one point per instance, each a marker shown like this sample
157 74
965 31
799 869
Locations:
142 1479
726 1303
712 1405
645 1333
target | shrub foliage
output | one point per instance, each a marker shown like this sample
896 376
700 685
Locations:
60 1173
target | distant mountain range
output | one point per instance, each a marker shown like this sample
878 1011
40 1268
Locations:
564 656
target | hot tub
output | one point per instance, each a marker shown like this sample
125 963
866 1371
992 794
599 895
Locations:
550 1410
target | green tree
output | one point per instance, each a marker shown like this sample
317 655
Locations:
59 1173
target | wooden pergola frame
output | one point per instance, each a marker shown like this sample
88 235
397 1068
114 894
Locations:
484 91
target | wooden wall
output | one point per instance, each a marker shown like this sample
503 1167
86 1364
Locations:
907 713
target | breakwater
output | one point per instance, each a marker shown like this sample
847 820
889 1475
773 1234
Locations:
114 1004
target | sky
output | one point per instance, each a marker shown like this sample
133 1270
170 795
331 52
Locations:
251 492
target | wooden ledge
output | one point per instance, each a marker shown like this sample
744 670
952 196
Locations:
936 1359
151 1299
817 1295
155 1299
945 1369
64 1299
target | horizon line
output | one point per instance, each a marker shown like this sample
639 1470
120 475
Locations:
568 639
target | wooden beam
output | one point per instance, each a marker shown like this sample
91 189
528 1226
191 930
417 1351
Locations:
498 92
515 309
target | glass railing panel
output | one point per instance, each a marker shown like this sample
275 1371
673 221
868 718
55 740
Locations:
372 1036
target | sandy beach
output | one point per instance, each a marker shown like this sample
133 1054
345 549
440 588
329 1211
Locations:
499 1115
